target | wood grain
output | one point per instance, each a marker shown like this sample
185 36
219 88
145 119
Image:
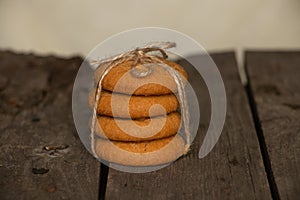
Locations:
35 111
274 81
233 170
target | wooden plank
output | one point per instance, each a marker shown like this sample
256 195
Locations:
274 81
35 111
233 170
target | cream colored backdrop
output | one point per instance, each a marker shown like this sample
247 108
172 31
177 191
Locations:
67 27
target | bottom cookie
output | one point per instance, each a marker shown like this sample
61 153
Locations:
150 153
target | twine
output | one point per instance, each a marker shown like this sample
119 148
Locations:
139 55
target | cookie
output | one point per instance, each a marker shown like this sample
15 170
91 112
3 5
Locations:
139 106
159 82
147 153
107 127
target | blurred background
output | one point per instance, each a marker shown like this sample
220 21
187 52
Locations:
68 27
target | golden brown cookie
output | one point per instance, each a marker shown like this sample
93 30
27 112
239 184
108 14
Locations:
107 127
159 82
139 106
148 153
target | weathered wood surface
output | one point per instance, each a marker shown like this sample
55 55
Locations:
233 170
35 111
275 84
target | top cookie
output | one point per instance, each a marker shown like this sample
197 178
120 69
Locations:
159 82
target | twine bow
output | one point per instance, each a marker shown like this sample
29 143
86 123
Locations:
141 56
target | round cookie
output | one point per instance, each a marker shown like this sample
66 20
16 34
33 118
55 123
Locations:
159 82
107 127
148 153
139 106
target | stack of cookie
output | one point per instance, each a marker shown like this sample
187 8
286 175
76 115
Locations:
138 117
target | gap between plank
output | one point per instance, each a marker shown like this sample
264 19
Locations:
261 138
102 181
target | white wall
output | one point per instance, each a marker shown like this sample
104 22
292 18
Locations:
75 26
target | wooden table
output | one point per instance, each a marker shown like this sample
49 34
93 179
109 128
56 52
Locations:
256 157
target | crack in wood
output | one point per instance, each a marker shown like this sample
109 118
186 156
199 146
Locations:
261 139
